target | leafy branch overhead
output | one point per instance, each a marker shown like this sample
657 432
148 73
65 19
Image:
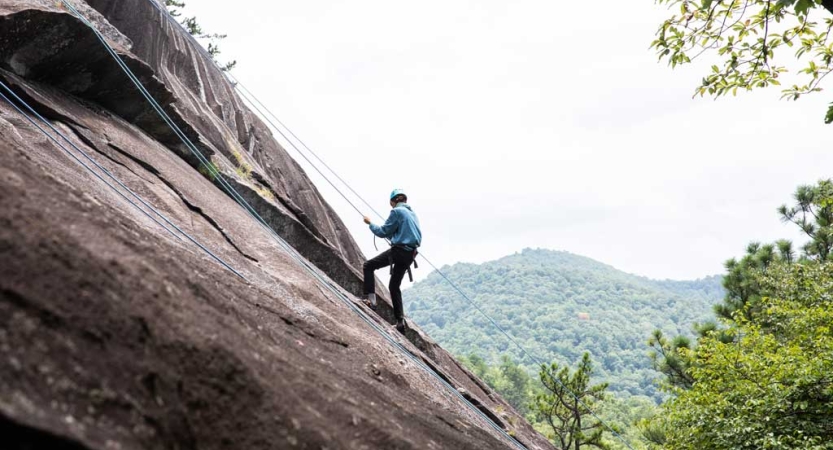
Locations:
195 29
748 37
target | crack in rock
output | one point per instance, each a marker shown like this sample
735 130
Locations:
88 141
205 216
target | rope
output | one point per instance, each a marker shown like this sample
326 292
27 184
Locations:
492 321
299 152
106 172
247 95
443 275
257 104
244 91
312 270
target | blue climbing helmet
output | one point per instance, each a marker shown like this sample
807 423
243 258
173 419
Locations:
396 192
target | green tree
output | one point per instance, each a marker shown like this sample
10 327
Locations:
622 414
762 380
671 356
671 359
509 379
175 7
746 36
567 403
514 384
813 214
476 364
195 29
772 386
742 290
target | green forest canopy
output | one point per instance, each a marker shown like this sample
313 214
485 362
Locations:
559 305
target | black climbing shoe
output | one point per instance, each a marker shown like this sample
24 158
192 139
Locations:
400 326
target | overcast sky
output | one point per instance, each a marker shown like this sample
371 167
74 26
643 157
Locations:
527 124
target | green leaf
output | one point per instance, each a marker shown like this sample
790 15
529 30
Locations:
802 7
829 117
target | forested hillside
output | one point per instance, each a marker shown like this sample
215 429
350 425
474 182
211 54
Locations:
559 305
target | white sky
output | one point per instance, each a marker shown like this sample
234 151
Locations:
527 124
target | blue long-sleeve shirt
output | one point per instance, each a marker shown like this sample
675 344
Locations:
402 227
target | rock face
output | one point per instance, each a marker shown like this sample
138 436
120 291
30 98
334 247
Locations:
116 333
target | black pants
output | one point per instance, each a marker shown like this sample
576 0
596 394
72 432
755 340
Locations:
401 259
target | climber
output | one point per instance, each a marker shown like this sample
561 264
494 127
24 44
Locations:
402 228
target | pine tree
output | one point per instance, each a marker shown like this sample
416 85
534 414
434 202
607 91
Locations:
567 403
742 290
195 29
813 213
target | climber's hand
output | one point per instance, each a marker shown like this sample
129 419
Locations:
367 220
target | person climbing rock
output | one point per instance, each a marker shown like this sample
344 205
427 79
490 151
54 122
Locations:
402 228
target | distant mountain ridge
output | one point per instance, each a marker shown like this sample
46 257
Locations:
558 305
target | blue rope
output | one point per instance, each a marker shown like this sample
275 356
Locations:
243 91
288 248
257 105
106 172
478 308
442 275
312 164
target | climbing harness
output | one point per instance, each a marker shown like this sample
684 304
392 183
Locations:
414 254
390 259
255 103
268 115
260 108
416 265
309 268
